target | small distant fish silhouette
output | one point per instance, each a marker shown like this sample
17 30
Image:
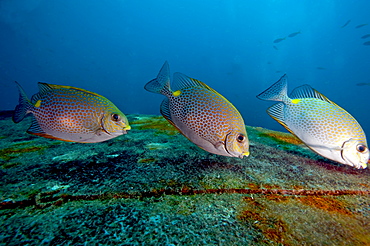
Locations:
365 36
366 43
321 124
346 23
276 48
320 68
71 114
294 34
361 25
362 84
201 114
278 40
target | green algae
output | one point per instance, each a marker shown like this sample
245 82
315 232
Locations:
10 164
159 124
11 153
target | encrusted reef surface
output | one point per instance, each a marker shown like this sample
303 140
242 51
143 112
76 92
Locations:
154 187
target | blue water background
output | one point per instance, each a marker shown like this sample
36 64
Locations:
114 47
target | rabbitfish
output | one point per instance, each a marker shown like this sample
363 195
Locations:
201 114
321 124
71 114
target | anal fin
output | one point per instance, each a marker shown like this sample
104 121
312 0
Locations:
276 111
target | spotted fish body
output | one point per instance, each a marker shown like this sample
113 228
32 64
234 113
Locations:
71 114
201 114
321 124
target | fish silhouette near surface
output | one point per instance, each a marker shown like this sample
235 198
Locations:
71 114
321 124
362 84
278 40
367 43
345 24
201 114
294 34
361 25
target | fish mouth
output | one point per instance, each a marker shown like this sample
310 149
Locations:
126 129
244 154
361 164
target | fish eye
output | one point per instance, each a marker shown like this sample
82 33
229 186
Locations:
361 148
240 138
115 117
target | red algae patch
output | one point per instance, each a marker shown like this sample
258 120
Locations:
278 198
272 227
328 204
315 220
271 186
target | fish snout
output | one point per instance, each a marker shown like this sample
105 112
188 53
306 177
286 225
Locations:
126 128
244 154
361 164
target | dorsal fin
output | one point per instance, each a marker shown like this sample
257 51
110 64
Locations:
306 91
181 81
45 88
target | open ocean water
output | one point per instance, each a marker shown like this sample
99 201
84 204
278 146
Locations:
153 186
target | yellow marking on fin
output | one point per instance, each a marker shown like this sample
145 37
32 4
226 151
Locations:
38 104
295 101
176 93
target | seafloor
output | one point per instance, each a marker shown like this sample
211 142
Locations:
154 187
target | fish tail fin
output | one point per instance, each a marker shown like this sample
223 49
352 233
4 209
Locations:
276 92
23 105
161 84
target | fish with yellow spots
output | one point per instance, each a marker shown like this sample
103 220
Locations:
70 114
322 125
201 114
